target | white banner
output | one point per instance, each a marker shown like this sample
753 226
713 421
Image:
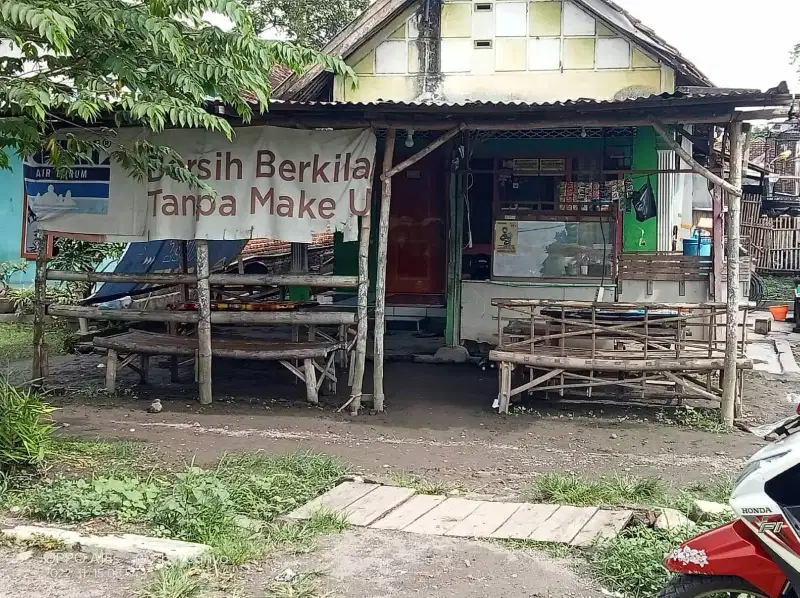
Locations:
270 182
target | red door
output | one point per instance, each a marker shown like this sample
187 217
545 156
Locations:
416 253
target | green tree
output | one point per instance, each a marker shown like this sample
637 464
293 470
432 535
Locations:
109 63
308 22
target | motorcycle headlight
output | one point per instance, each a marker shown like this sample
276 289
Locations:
756 465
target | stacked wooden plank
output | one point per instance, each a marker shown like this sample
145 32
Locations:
401 509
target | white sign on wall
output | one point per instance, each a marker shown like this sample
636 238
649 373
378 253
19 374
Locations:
269 182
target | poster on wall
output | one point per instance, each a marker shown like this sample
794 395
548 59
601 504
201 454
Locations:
29 228
269 182
506 235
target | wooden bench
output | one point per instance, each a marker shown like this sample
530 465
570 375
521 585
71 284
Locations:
124 348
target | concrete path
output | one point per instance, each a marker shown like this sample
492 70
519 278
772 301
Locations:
402 509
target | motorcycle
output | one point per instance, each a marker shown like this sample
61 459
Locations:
758 554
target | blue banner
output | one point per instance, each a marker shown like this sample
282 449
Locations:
163 256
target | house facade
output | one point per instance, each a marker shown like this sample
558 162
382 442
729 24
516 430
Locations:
516 213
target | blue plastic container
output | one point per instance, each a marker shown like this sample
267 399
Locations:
692 246
704 249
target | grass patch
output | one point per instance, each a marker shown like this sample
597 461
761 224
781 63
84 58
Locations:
232 507
420 484
174 581
697 418
26 428
16 341
304 585
631 563
90 452
571 489
559 551
778 288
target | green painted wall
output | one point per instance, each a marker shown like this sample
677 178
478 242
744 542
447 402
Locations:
642 236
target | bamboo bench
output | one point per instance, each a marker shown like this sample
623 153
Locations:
124 348
618 349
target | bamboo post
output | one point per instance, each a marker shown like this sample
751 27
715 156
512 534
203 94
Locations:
39 367
737 404
203 323
183 262
380 280
729 385
363 314
694 164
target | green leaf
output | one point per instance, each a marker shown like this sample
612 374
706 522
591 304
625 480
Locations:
152 64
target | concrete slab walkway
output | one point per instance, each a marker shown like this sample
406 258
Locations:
395 508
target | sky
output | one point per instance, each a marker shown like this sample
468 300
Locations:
736 43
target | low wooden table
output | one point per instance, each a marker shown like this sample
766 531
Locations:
124 348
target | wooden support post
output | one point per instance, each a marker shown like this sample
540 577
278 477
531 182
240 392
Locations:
380 281
360 357
144 368
183 264
311 381
111 371
39 368
694 164
341 354
183 261
729 383
203 324
429 149
718 239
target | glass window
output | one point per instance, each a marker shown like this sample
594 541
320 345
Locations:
553 249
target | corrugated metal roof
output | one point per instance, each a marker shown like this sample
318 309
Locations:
687 94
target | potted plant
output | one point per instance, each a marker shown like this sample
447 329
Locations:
7 272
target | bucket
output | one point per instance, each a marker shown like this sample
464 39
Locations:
779 312
704 250
692 246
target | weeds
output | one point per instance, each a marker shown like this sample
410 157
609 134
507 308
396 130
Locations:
631 562
38 542
197 507
697 418
26 428
558 551
571 489
421 485
174 581
305 585
71 501
87 454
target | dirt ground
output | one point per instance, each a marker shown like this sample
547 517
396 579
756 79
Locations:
65 575
438 424
396 565
354 564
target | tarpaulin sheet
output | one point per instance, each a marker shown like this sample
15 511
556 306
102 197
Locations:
162 256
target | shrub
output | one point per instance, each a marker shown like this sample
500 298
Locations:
26 428
196 508
129 499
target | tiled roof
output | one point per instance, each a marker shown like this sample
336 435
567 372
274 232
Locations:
261 247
